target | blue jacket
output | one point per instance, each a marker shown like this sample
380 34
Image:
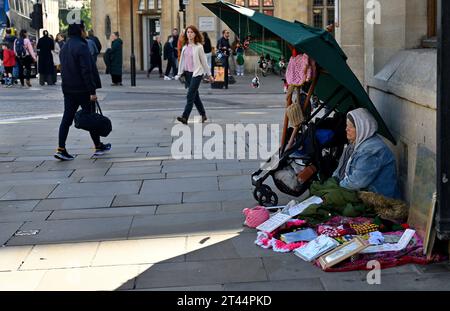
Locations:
78 70
372 167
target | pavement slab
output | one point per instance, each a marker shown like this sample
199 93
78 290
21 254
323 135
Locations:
74 203
7 230
23 216
154 198
201 273
58 256
12 257
20 280
189 224
128 177
95 189
312 284
29 192
17 206
146 251
107 212
188 208
214 196
180 185
89 279
79 230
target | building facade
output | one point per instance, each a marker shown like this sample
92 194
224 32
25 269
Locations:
20 11
159 17
390 48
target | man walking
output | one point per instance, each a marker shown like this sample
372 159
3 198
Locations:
80 80
224 47
155 57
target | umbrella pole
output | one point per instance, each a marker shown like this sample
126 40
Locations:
307 103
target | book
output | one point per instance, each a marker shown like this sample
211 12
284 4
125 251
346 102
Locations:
316 248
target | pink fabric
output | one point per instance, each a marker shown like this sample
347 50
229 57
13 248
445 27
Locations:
29 48
267 240
189 58
256 216
301 69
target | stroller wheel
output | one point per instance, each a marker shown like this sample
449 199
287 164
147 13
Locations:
265 196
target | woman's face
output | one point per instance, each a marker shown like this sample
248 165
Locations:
351 132
190 34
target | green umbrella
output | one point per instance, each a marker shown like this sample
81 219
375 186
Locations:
337 84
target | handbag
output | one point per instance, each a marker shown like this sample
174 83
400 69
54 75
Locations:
93 121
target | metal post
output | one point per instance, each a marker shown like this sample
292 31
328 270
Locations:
443 121
184 18
132 57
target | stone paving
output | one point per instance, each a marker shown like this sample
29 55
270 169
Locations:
136 219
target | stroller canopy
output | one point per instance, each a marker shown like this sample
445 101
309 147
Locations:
337 84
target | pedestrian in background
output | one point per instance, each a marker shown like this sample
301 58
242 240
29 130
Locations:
80 80
9 61
193 65
116 59
224 48
25 56
61 39
97 43
56 61
92 49
207 47
46 67
156 57
168 50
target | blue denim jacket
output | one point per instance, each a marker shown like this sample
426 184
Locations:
372 167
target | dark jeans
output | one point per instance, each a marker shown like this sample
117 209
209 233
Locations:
24 68
159 65
71 103
193 97
172 64
116 79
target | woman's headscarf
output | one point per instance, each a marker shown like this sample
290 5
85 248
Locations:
366 126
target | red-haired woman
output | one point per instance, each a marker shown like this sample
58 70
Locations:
194 65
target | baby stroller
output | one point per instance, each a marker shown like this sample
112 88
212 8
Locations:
314 157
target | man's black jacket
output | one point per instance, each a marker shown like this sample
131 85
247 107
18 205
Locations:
78 70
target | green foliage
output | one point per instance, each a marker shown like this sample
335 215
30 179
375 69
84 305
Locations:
85 14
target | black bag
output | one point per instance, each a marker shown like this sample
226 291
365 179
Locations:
93 121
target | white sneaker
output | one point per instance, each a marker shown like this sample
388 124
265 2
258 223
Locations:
166 78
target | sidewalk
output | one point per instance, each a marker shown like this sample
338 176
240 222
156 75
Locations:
136 219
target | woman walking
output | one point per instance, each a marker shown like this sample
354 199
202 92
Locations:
194 65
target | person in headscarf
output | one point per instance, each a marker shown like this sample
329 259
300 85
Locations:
367 162
46 66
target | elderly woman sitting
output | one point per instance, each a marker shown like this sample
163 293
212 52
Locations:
367 163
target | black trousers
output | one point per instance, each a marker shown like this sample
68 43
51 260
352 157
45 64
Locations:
71 103
172 64
154 65
116 79
193 96
24 68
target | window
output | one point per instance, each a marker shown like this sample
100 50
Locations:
145 5
263 6
323 13
432 18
